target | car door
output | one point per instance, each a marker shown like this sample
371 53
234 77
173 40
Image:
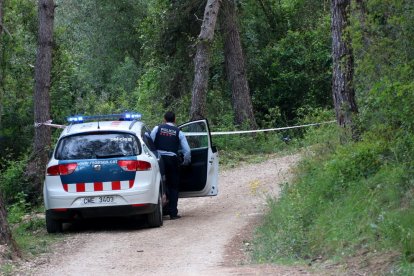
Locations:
200 178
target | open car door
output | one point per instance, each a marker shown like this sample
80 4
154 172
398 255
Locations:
200 178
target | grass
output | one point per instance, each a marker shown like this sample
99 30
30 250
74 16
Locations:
31 236
344 200
29 231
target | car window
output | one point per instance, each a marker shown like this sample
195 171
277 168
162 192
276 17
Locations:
197 135
97 145
146 137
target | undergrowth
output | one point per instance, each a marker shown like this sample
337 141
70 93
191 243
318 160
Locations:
345 199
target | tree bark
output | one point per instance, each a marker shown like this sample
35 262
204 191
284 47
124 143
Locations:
343 67
235 66
8 247
36 166
1 62
202 60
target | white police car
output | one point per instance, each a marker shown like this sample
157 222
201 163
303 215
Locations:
110 168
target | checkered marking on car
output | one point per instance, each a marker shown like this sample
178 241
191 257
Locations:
98 186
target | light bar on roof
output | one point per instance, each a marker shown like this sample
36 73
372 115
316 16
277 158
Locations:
75 119
126 116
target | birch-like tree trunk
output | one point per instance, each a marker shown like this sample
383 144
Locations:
202 60
235 66
41 145
343 67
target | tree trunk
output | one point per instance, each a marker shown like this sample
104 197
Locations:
343 67
8 247
36 166
202 60
235 67
1 63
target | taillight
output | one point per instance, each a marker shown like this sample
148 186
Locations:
134 165
62 169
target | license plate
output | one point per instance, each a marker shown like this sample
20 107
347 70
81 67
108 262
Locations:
92 200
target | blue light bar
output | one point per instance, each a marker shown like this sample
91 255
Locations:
127 116
75 119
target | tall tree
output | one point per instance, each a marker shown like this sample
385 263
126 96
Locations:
202 60
235 67
343 67
36 166
1 61
7 242
6 239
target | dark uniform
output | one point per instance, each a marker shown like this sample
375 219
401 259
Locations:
168 139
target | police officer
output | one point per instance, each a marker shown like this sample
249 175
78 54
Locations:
168 139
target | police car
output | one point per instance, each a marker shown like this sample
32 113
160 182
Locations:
106 165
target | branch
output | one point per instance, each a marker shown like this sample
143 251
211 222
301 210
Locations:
198 19
6 30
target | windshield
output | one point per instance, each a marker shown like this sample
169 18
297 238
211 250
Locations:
97 145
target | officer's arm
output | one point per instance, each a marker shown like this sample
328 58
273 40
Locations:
154 133
185 148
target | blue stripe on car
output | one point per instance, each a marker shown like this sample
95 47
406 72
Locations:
85 172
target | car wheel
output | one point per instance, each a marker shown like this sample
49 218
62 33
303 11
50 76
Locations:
155 218
52 225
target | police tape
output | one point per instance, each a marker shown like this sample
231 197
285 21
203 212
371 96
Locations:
49 123
268 129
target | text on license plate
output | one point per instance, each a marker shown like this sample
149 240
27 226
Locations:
90 200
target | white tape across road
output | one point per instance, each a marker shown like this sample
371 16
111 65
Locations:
49 123
268 129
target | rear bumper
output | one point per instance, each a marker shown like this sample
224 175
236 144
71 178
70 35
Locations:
96 212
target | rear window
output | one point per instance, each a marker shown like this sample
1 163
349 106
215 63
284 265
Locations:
97 145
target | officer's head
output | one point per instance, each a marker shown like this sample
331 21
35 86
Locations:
169 117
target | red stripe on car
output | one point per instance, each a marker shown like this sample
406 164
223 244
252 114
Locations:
80 187
98 186
116 185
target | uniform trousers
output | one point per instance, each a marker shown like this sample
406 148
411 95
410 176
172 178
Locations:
172 174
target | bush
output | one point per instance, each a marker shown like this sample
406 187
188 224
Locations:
354 196
12 183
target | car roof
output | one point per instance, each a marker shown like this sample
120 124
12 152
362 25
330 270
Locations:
123 126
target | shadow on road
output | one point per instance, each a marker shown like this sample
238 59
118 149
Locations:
105 224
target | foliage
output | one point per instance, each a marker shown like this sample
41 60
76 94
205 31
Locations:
109 56
17 51
290 68
358 196
12 185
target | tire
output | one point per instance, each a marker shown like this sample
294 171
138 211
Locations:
155 218
52 225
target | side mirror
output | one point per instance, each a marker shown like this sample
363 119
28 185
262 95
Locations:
214 148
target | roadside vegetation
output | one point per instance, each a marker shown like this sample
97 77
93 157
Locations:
356 198
346 200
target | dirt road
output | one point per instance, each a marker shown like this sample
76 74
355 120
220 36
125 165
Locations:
209 239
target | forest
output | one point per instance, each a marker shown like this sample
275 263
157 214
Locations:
264 64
